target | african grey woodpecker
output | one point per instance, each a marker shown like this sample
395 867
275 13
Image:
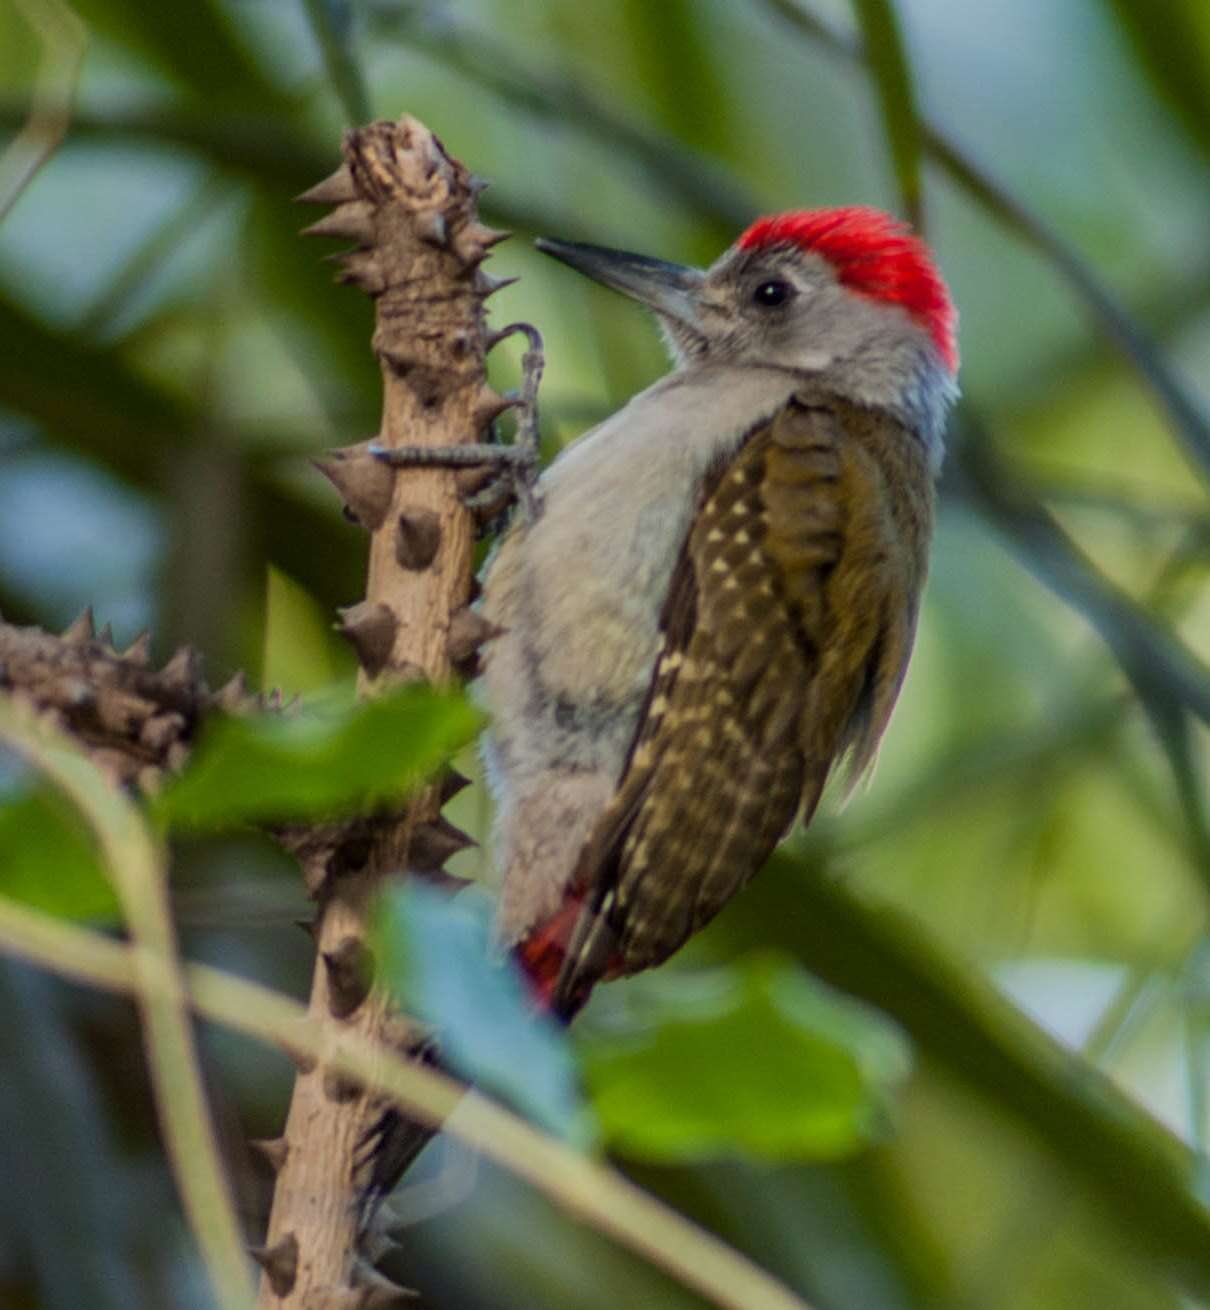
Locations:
717 603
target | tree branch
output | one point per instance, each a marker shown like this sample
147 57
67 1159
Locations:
411 210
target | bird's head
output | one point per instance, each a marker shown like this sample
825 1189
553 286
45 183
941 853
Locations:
849 294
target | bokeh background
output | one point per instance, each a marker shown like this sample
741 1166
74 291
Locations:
171 353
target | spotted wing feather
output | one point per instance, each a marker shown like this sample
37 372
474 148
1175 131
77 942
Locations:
784 638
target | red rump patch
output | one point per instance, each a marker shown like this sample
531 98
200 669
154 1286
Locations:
542 953
874 255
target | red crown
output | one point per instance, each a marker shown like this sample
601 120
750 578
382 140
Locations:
874 255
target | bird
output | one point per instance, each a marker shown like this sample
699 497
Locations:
714 610
708 602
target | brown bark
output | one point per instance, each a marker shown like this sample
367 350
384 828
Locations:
411 209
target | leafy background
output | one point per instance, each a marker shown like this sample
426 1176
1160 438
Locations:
170 353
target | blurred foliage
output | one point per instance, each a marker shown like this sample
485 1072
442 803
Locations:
437 959
888 63
317 762
703 1072
1037 831
49 858
1173 44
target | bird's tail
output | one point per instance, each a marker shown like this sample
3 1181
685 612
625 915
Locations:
568 954
393 1142
390 1146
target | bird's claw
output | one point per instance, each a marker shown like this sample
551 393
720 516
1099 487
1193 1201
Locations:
512 473
514 468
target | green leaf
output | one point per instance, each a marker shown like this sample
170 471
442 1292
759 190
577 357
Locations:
888 62
49 859
757 1060
439 961
1134 1168
319 761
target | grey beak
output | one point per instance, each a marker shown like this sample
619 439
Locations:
670 289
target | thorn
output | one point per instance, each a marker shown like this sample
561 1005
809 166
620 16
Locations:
462 343
349 856
487 284
122 713
452 782
280 1263
431 227
477 185
492 236
378 1292
105 637
182 669
350 968
138 652
428 384
362 269
490 404
468 631
303 1061
309 926
81 629
161 730
472 242
75 693
471 481
434 842
363 1297
364 483
370 627
341 1088
273 701
470 484
319 888
470 669
233 696
336 189
417 537
350 222
273 1149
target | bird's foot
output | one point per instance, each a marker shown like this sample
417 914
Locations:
511 471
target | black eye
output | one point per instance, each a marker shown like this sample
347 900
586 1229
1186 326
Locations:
772 293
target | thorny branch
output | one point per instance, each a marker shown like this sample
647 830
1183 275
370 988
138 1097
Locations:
410 209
